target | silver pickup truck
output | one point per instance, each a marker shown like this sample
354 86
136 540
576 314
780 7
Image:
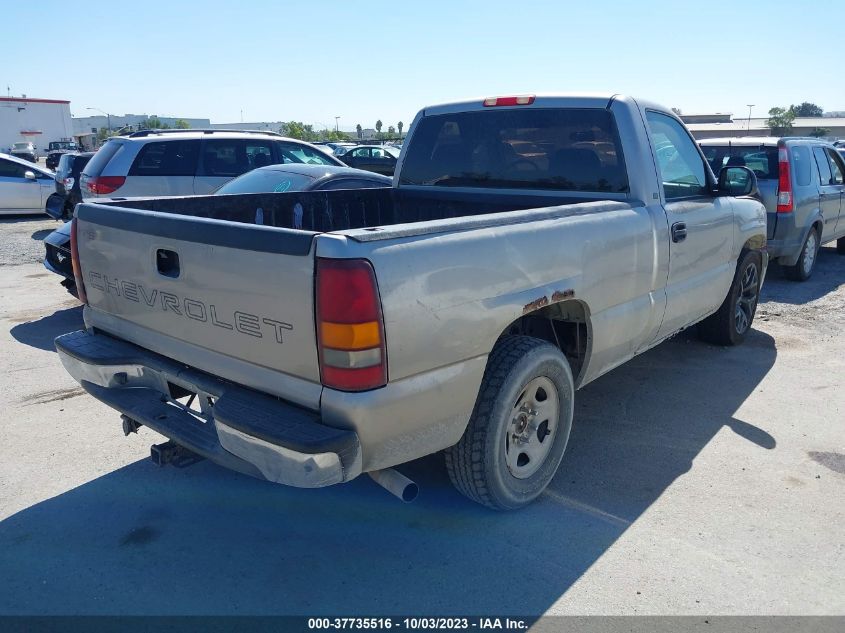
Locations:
529 244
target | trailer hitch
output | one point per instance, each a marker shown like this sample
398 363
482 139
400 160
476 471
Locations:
172 453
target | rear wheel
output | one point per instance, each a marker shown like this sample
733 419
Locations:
840 246
803 268
519 428
731 322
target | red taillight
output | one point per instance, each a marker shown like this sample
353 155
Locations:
785 201
509 101
104 184
350 328
74 259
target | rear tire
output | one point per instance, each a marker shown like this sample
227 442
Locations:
519 428
803 268
840 246
730 324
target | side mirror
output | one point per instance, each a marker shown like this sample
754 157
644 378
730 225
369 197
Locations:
737 181
29 175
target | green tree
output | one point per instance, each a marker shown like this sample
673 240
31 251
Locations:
820 132
780 120
181 124
153 123
677 111
391 131
299 130
400 125
807 109
360 131
378 126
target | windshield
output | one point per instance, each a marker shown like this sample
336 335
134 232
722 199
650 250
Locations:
303 154
266 181
541 148
54 145
21 146
763 161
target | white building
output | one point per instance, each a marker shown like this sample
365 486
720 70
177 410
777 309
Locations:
36 120
93 124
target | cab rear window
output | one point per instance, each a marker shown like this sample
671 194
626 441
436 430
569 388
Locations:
567 149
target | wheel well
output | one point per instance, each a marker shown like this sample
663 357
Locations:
565 325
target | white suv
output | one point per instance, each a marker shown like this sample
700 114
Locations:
187 162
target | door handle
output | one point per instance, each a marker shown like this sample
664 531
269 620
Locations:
679 231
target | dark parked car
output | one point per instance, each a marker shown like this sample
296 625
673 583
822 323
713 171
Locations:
68 194
55 151
378 158
57 256
301 177
273 178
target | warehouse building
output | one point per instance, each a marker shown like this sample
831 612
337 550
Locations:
719 125
36 120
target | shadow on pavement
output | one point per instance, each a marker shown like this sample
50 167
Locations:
206 540
39 235
828 275
41 332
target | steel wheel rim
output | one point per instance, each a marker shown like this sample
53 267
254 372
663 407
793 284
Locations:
746 303
809 253
531 430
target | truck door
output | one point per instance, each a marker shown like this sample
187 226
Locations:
699 225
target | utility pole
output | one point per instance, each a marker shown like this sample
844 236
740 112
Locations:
336 128
748 125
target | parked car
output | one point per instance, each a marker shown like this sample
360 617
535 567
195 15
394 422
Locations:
24 186
24 150
378 158
57 257
301 177
802 184
68 192
528 245
187 162
55 150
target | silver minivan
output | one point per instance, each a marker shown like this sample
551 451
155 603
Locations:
802 183
187 162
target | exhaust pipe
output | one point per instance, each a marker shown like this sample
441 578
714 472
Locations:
396 484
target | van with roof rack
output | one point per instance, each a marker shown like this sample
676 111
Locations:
801 182
187 162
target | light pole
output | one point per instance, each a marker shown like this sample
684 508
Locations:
336 128
108 116
748 125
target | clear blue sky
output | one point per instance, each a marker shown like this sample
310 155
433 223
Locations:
368 60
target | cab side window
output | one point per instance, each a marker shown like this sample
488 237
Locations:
681 166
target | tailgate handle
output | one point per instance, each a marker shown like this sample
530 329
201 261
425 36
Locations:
167 262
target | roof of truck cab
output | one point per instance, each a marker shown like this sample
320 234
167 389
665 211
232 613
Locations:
548 100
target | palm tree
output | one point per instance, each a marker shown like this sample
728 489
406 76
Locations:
360 131
378 126
399 126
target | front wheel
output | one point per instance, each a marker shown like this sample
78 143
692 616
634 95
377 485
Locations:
803 268
731 322
519 428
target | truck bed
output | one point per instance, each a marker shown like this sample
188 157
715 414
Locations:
327 211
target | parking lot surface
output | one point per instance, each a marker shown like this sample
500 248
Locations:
698 480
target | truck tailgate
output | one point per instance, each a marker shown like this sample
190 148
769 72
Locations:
230 298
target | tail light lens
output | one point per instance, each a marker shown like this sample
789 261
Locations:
74 258
350 326
102 185
785 201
